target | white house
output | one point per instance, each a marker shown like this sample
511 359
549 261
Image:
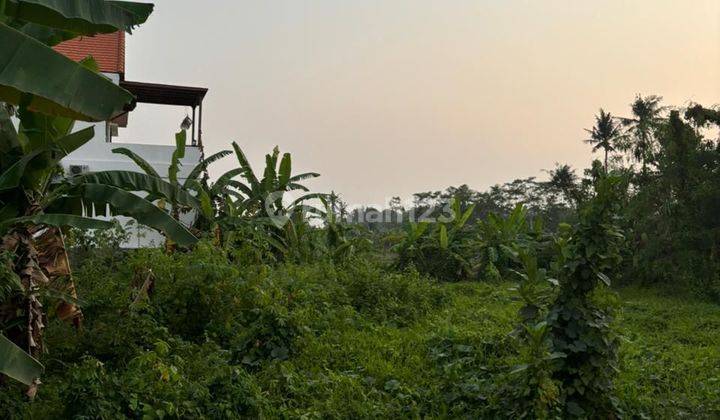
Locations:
108 50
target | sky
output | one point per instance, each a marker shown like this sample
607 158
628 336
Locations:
393 97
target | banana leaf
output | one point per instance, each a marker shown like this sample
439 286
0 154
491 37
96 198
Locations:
12 176
224 180
197 170
17 364
57 85
139 161
284 172
304 176
9 142
59 220
135 181
45 35
178 154
128 204
247 171
72 142
82 17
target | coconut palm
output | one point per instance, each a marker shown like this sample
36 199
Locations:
564 180
604 134
642 126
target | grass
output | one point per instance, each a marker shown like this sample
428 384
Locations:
670 358
319 341
670 354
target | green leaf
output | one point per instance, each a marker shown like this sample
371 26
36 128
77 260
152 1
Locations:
206 207
270 174
305 198
292 186
59 220
128 204
304 176
417 229
245 166
224 180
200 167
443 237
17 364
9 142
284 173
58 85
45 35
139 161
74 141
178 154
11 177
41 130
82 17
135 181
465 216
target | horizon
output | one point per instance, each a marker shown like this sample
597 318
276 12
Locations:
388 100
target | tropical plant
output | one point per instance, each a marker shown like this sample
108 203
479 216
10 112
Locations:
578 326
500 237
444 252
564 180
642 126
34 200
340 245
262 198
28 30
208 198
604 134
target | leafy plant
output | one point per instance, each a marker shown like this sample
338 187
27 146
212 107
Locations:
580 328
604 134
34 202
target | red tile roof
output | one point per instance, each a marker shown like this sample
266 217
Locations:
107 49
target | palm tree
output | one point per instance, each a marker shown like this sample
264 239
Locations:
604 134
642 125
564 179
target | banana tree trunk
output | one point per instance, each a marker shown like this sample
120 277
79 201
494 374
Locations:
26 265
217 235
53 259
40 261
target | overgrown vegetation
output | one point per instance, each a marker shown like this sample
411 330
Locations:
267 308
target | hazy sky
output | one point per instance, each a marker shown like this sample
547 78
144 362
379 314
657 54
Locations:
392 97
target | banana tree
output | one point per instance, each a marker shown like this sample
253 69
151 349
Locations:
263 197
35 202
341 246
49 82
206 196
51 91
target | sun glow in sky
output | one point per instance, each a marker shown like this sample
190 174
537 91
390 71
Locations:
392 97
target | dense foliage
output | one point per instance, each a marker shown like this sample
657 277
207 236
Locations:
227 339
265 307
